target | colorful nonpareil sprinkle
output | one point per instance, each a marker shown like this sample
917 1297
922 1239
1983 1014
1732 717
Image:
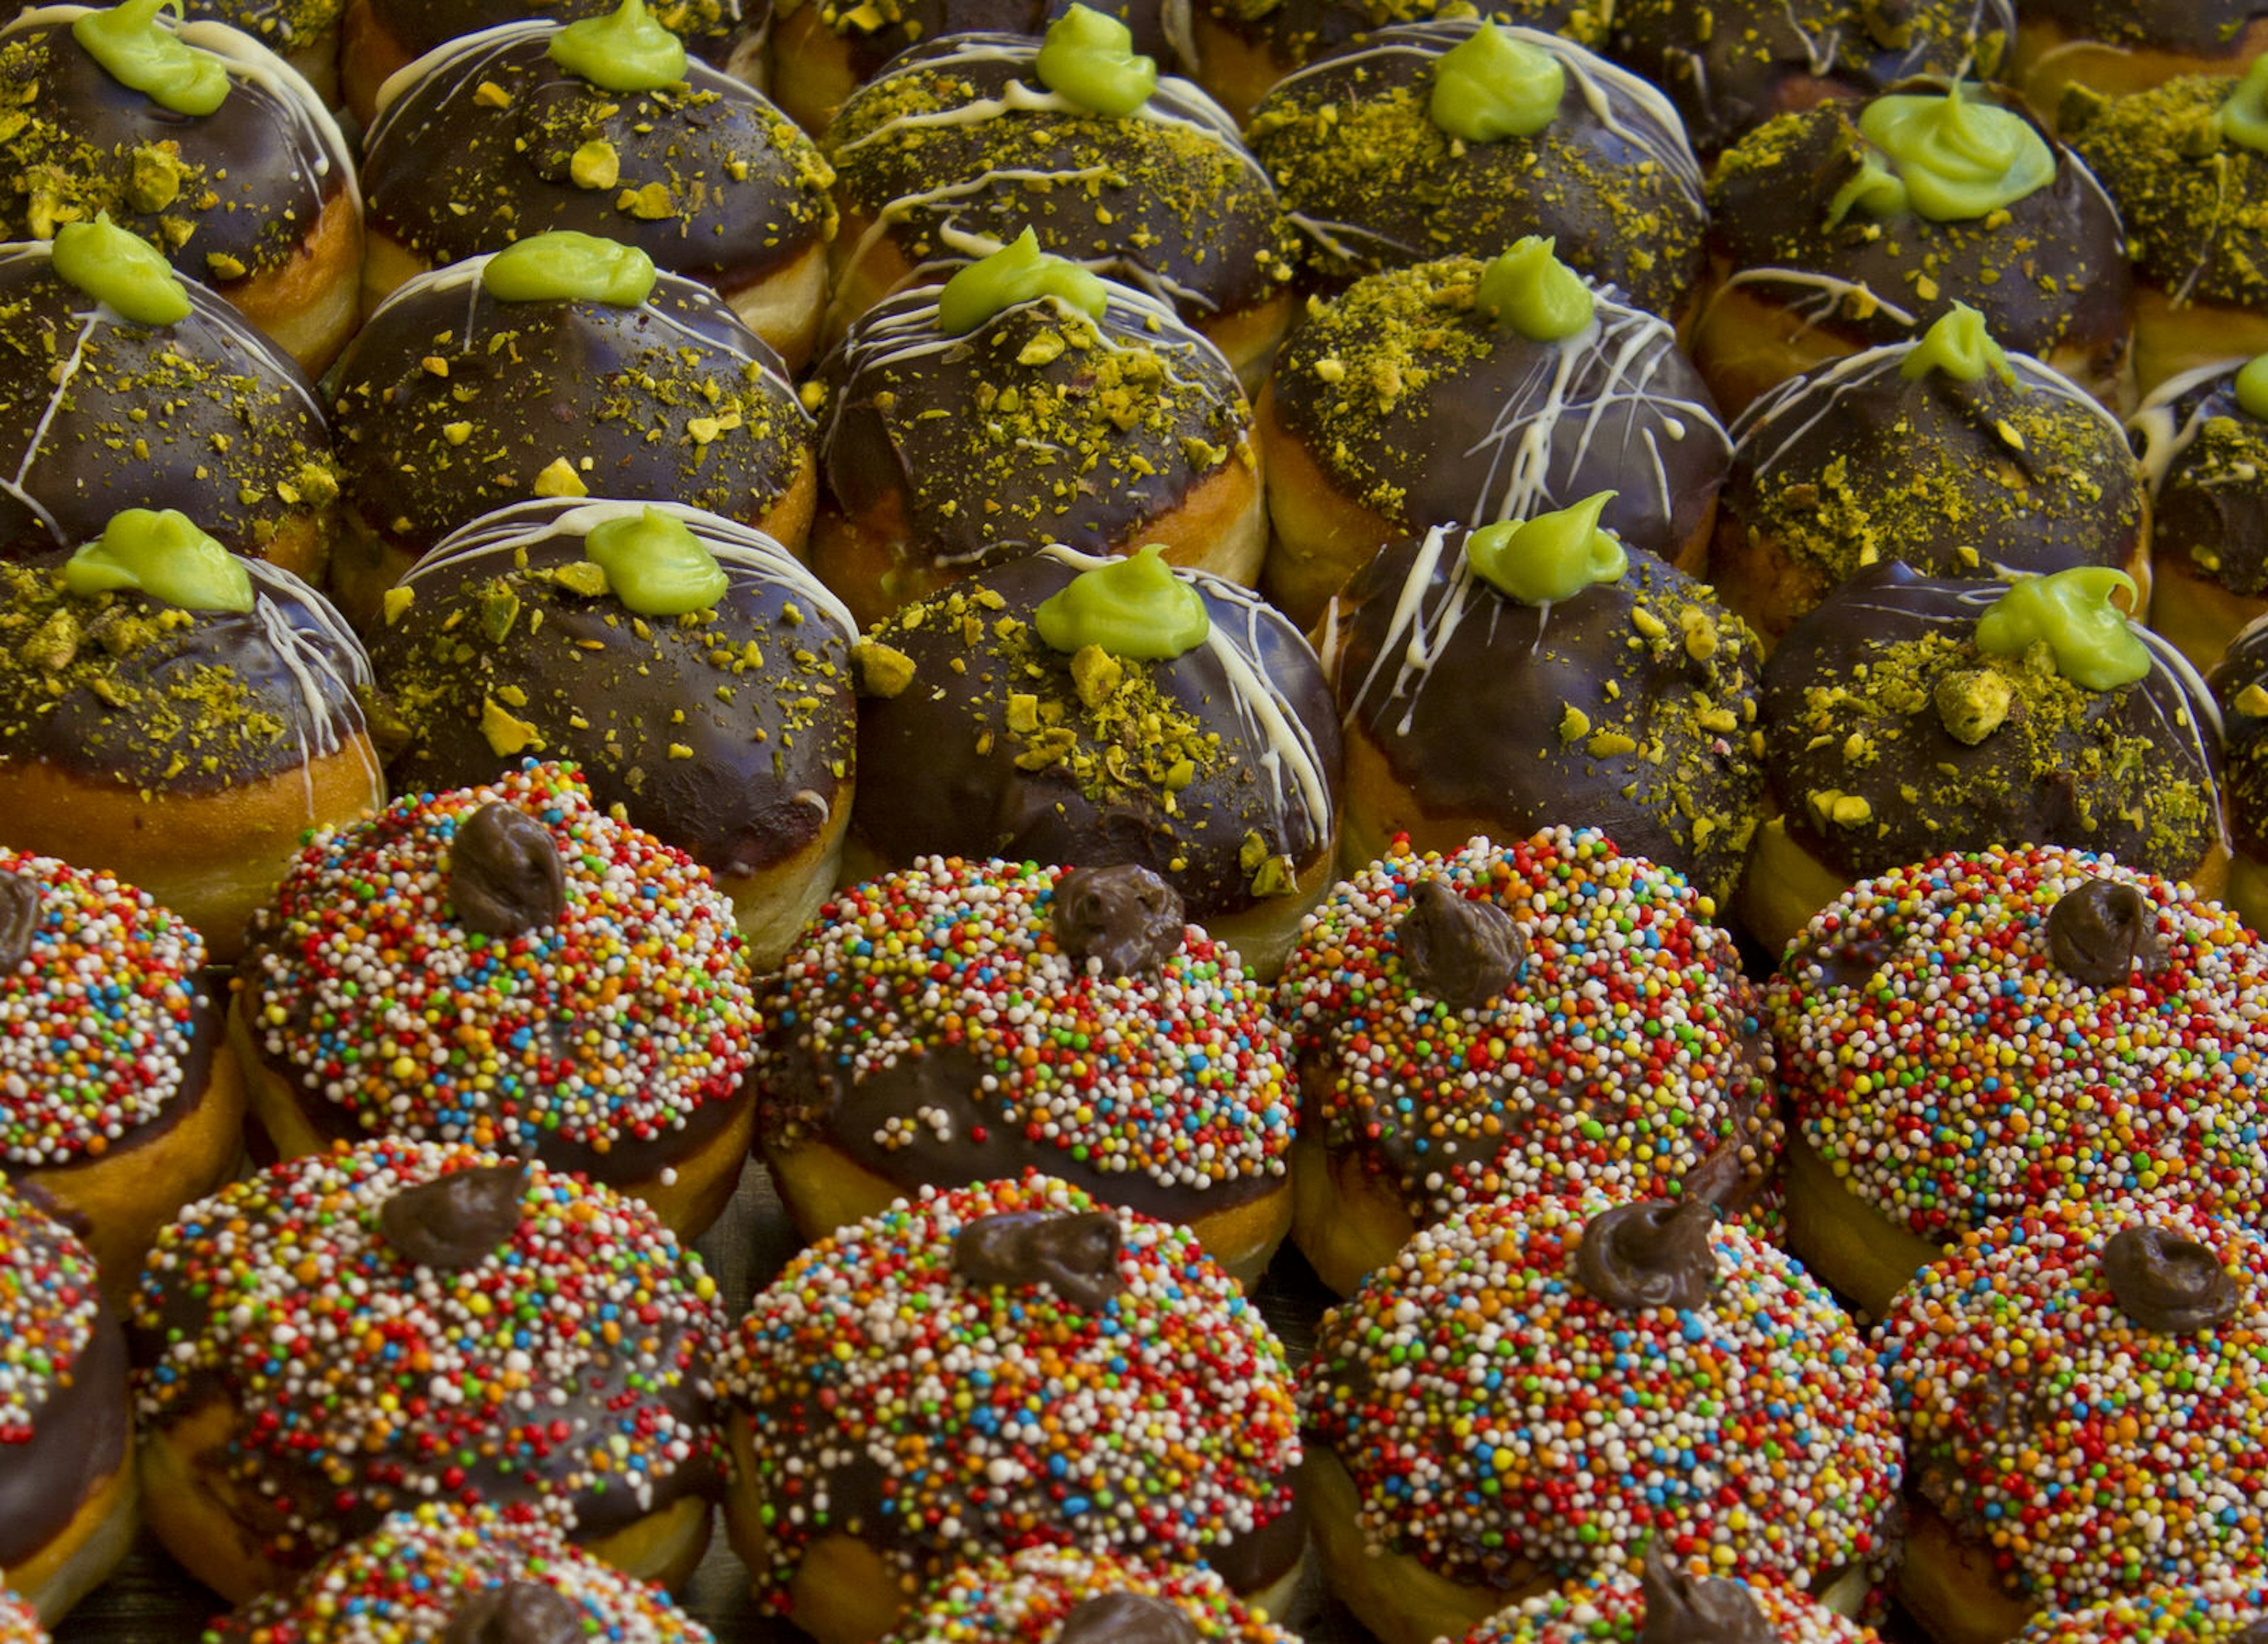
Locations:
1026 1598
1610 1609
47 1301
2220 1609
19 1622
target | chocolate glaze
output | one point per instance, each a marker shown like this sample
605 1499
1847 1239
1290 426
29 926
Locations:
19 919
712 29
1074 1254
2240 684
1167 199
2049 270
80 1432
1126 1618
1105 437
283 26
2133 773
1124 916
1733 64
505 878
527 384
451 174
1461 950
2207 460
2168 1285
1377 185
2201 28
117 687
1636 1257
204 415
258 171
1468 695
2101 933
1682 1608
516 1612
1296 32
770 730
938 772
457 1220
875 33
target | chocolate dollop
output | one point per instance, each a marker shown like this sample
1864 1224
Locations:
1463 952
1655 1254
1682 1608
518 1612
19 919
1075 1255
1126 1618
456 1221
2100 932
504 873
1125 916
2254 1633
2166 1283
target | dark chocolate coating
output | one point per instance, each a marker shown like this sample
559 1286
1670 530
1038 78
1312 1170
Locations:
1733 64
1420 408
204 415
939 764
1636 1257
874 32
1107 434
1629 707
710 29
451 174
2099 933
80 1434
2168 1285
1074 1254
527 384
2207 457
1157 203
1124 916
457 1220
2240 684
1461 950
2049 271
282 25
2130 772
224 195
769 730
2202 28
1682 1608
1296 32
1126 1618
517 1612
117 687
1616 185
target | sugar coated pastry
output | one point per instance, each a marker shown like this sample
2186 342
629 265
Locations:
2217 1610
959 1021
180 716
379 1327
1458 136
1944 451
2122 46
441 1572
1467 1028
1065 1595
2202 438
963 143
1476 392
1908 715
1850 225
98 337
1515 1401
1073 709
565 365
1113 1391
2116 1350
200 139
1669 1599
67 1484
1987 1032
1022 401
606 126
508 965
589 630
1506 680
120 1099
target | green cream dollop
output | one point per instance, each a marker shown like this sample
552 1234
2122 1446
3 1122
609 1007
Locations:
565 266
142 55
1017 273
1961 347
1134 608
1088 58
626 51
2094 644
2252 388
120 270
2244 118
1530 290
1552 557
1492 86
1955 160
165 556
654 563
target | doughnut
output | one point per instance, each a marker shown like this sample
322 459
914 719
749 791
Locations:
1664 1601
1432 1001
1818 248
186 407
1907 716
1473 392
565 365
2114 1347
402 1324
1500 682
592 631
1088 712
2115 47
178 715
2111 1013
232 167
67 1484
1094 417
1110 1390
2239 686
963 143
507 966
1514 1401
1444 137
2217 1610
120 1100
1945 451
2204 453
606 126
960 1022
1065 1595
304 33
441 1570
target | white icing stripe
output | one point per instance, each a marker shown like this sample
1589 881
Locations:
311 668
1833 293
2163 442
441 57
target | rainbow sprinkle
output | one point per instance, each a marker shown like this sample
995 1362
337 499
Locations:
1025 1599
48 1298
1610 1609
2219 1609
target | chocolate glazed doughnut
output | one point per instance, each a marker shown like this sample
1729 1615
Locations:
2203 450
2119 47
304 33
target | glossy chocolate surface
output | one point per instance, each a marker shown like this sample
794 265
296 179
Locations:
2206 459
712 29
81 1433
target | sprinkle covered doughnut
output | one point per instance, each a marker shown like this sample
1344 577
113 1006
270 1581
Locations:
507 966
1120 1394
1508 1023
959 1021
1975 1036
1062 1595
325 1343
19 1622
2219 1609
1617 1607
